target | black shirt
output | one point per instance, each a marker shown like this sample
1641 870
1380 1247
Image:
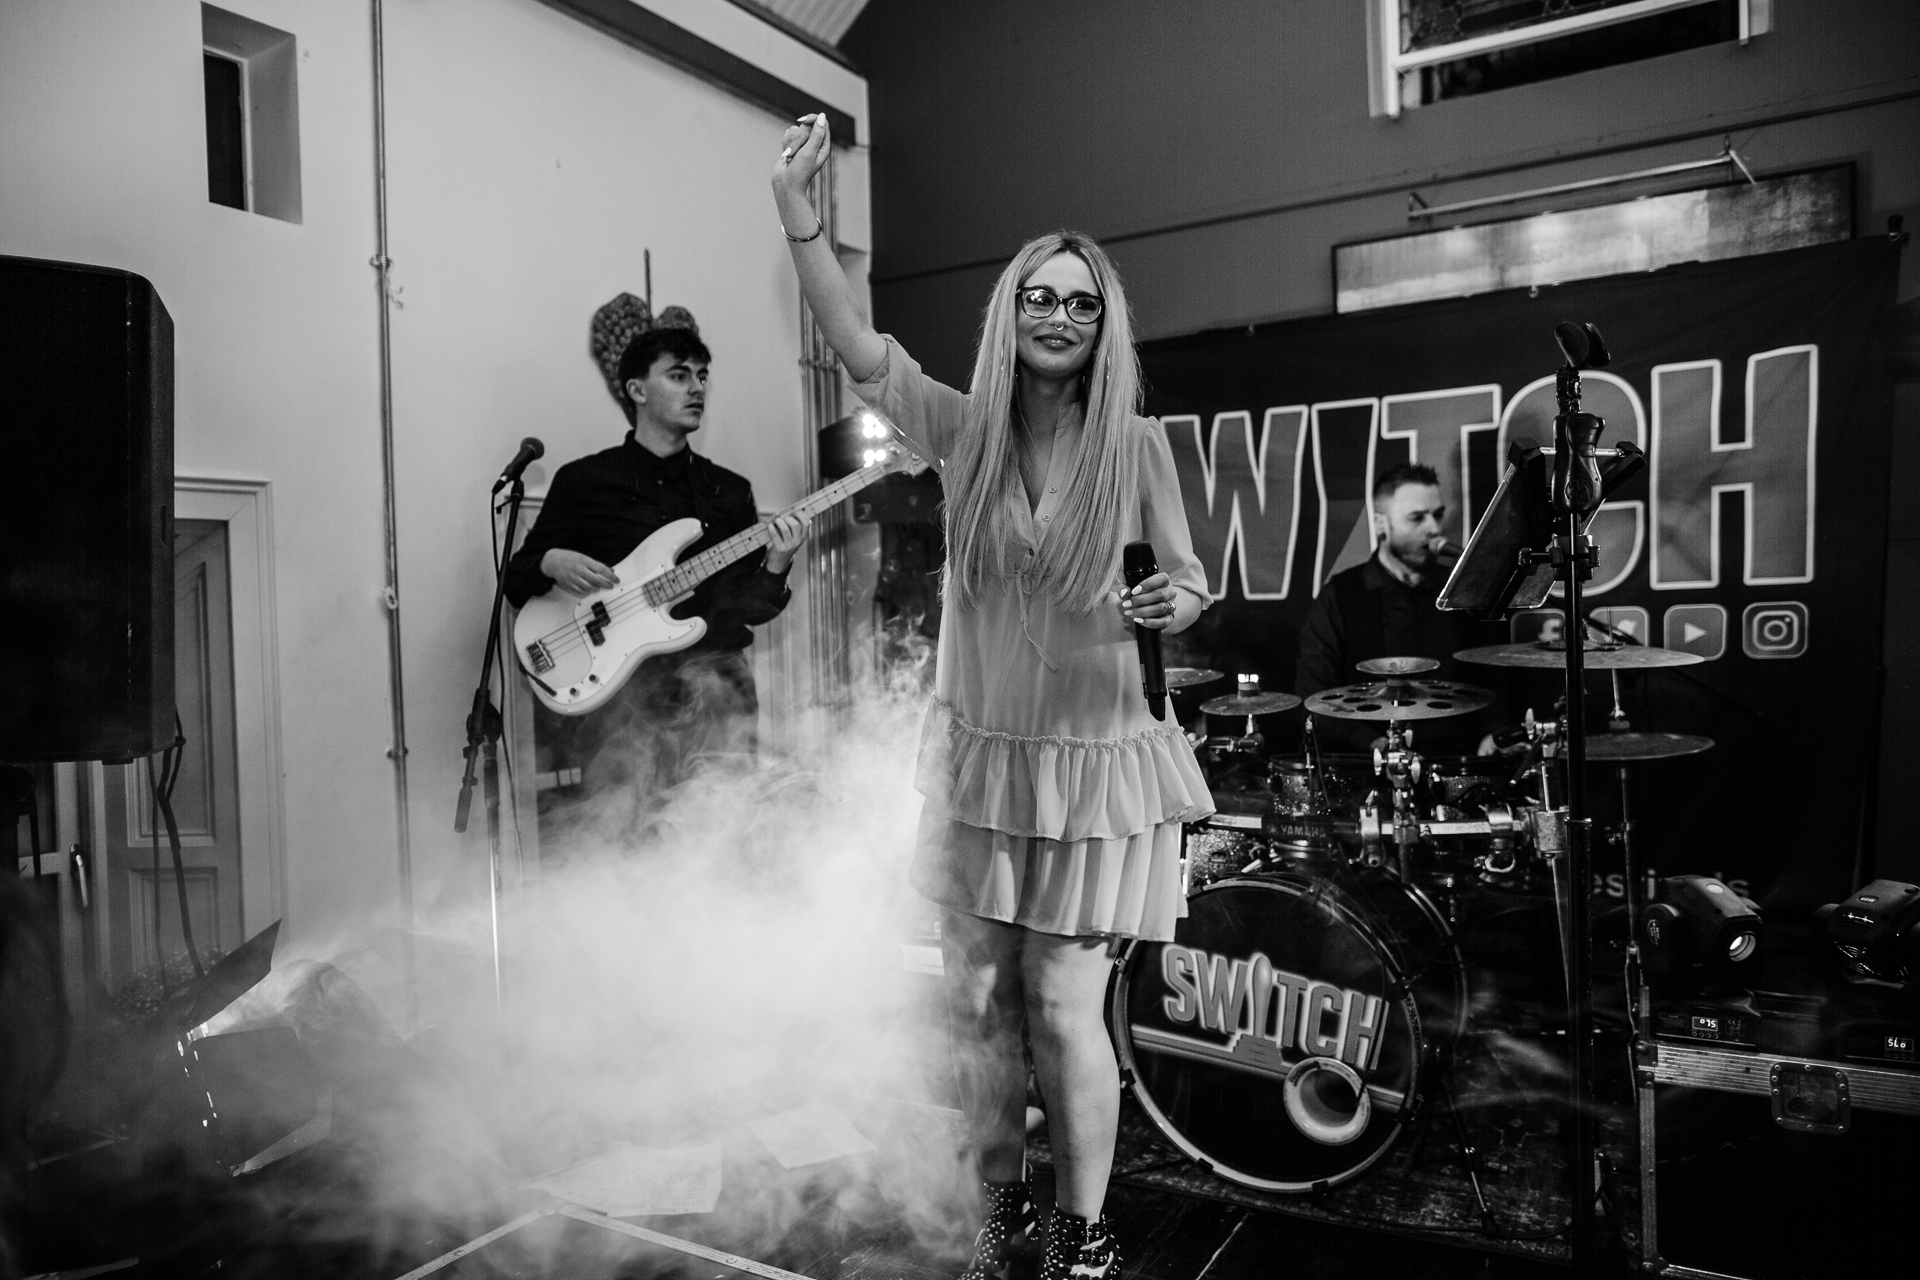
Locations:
1365 612
605 504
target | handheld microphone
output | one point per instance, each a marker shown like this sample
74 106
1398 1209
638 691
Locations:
530 449
1137 564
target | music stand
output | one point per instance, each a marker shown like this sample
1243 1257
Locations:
1534 532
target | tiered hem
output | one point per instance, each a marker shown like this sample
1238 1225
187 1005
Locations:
1129 887
1069 790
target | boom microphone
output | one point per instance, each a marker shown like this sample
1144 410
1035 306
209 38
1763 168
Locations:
530 449
1137 565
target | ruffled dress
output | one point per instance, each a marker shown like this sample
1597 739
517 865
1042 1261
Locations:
1054 799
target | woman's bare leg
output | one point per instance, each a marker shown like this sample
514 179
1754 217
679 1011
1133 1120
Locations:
985 1014
1065 981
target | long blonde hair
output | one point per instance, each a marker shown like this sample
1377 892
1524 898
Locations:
1082 554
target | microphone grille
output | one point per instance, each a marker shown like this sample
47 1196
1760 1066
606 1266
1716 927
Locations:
1137 562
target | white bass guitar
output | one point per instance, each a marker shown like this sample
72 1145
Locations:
578 650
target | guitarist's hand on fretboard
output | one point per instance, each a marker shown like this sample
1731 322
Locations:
784 536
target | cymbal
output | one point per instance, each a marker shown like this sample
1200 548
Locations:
1399 700
1625 748
1397 666
1633 657
1249 704
1186 677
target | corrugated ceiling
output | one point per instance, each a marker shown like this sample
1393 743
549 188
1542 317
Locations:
826 20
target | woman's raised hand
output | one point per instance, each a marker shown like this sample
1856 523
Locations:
840 315
803 151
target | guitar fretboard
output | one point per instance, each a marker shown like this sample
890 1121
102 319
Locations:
690 573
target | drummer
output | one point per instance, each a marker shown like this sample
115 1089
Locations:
1385 608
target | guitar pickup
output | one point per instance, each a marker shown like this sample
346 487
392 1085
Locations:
542 660
597 628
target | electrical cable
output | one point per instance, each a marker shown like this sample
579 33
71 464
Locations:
162 789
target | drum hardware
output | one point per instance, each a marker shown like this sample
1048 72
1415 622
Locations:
1374 835
1316 766
1396 698
1288 1035
1627 747
1250 705
1598 656
1535 531
1220 750
1400 698
1623 748
1402 767
1499 825
1397 666
1616 718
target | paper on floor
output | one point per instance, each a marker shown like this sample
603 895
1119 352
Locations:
809 1135
632 1182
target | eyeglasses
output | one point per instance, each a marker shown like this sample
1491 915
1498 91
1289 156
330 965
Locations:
1041 302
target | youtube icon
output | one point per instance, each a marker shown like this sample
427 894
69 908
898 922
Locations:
1697 629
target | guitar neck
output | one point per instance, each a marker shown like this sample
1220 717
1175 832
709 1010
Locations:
695 570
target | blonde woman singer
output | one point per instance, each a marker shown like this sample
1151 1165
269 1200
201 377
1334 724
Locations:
1054 801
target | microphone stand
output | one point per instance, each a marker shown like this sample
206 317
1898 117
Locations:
1576 493
484 727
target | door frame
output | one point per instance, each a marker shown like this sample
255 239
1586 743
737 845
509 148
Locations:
246 508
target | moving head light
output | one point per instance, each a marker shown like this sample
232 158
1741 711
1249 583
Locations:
1699 934
1876 932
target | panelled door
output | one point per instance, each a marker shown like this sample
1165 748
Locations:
143 899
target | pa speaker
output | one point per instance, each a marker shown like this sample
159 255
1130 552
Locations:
86 558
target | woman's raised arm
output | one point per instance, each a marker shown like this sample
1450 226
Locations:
803 151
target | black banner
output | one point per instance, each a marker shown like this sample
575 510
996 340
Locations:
1756 537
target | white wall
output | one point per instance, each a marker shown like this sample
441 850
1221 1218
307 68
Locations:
103 160
530 162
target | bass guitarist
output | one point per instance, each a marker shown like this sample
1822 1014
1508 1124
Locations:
679 706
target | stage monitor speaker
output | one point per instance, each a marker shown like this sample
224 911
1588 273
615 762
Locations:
86 557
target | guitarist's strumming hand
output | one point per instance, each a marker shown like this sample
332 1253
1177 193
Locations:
577 574
784 537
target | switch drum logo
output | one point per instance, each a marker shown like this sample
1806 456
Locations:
1774 629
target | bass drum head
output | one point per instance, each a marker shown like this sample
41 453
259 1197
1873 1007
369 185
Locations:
1277 1039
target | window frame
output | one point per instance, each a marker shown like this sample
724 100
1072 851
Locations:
1388 62
246 121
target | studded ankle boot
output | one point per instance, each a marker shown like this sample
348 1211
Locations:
1080 1250
1007 1233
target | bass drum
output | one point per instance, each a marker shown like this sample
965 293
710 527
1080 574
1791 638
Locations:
1282 1037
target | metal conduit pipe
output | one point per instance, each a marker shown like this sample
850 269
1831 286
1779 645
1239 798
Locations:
382 267
827 547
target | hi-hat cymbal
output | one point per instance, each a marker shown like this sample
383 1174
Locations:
1625 748
1187 677
1399 700
1397 666
1594 657
1249 704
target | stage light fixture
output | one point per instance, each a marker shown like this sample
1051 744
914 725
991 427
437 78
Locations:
1699 934
1876 932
